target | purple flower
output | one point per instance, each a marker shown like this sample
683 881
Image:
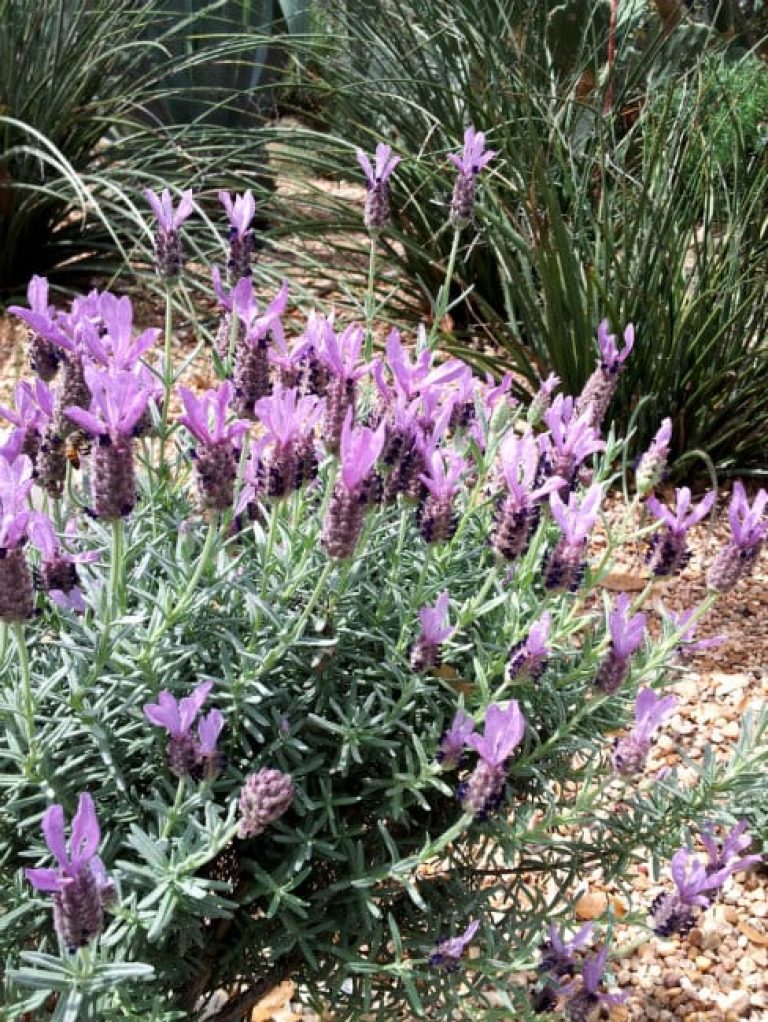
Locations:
517 513
527 658
473 157
565 565
557 954
626 636
118 401
674 912
354 489
59 568
434 631
449 952
360 450
654 461
116 347
630 752
376 214
240 212
80 886
571 438
542 399
437 519
168 254
454 741
504 729
610 357
186 757
207 416
599 389
582 1004
749 527
669 551
726 858
687 642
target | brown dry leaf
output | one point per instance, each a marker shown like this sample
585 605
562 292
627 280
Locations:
454 679
595 904
622 582
274 1001
754 935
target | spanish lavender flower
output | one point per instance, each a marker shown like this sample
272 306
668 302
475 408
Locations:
675 912
80 886
542 400
437 518
251 356
209 760
565 565
316 334
360 449
583 1004
58 570
631 751
44 356
527 658
453 742
669 551
341 356
626 636
474 156
403 451
557 954
504 728
687 643
571 438
32 414
115 347
217 449
653 463
284 459
17 524
241 213
376 216
749 527
434 631
449 952
177 717
264 798
601 386
118 401
168 251
518 511
726 856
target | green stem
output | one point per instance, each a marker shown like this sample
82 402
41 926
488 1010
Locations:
117 570
167 374
443 295
202 563
370 304
312 601
269 549
170 820
26 682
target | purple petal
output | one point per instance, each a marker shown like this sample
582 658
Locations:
53 832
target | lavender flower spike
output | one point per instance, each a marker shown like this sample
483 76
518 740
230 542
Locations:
454 741
528 657
749 527
582 1006
626 636
601 386
436 516
565 565
434 632
727 857
473 158
240 212
557 954
504 730
669 552
630 752
360 449
80 886
209 761
264 798
653 463
674 912
206 418
178 717
448 953
168 253
376 215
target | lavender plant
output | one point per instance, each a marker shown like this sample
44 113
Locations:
352 580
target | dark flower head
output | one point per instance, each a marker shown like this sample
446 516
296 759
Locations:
449 952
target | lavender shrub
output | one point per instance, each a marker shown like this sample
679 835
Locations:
355 574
